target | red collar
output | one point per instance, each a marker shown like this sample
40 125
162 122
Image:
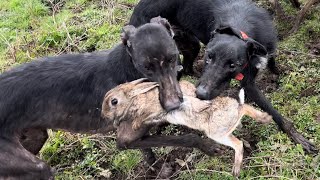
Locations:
240 76
244 35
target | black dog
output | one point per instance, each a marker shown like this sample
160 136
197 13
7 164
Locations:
240 39
66 92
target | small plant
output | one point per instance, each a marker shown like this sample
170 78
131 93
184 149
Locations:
126 161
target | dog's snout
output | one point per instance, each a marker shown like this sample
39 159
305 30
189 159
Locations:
172 105
180 95
202 92
170 93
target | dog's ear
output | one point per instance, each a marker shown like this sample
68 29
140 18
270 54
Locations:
213 33
254 48
164 22
228 30
127 33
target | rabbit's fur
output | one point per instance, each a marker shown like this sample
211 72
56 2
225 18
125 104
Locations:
217 118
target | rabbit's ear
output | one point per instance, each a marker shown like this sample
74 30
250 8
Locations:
128 87
138 81
143 88
111 91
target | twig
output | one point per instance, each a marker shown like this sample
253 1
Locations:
278 9
302 14
158 175
263 165
209 170
270 176
151 166
298 52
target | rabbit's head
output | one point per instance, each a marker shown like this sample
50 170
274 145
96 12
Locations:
117 102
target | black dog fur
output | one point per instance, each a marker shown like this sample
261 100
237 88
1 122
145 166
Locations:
66 92
218 24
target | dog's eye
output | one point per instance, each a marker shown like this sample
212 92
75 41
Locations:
148 67
232 65
172 60
209 59
114 101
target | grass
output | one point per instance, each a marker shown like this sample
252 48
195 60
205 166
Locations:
36 28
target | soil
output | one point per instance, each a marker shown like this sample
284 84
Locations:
199 64
314 47
311 91
318 118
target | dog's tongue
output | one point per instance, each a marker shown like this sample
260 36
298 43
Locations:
239 76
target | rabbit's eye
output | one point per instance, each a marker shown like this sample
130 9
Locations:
114 101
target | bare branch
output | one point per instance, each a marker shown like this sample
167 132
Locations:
302 14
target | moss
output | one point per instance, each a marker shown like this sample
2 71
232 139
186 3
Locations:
125 162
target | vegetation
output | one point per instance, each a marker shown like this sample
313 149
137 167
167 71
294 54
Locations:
37 28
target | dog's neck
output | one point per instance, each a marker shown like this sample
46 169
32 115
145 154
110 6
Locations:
128 72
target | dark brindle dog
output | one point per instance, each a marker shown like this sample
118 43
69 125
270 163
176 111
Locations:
66 92
240 39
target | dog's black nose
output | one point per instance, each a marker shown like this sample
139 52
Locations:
181 99
202 93
172 105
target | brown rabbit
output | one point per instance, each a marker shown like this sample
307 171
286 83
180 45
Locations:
218 118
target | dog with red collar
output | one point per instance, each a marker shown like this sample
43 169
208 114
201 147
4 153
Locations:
240 40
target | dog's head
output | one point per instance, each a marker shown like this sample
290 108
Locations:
227 54
118 103
155 54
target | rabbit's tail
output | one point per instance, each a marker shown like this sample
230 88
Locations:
241 96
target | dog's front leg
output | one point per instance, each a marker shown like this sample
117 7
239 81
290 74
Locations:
127 138
18 163
286 126
33 139
207 146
